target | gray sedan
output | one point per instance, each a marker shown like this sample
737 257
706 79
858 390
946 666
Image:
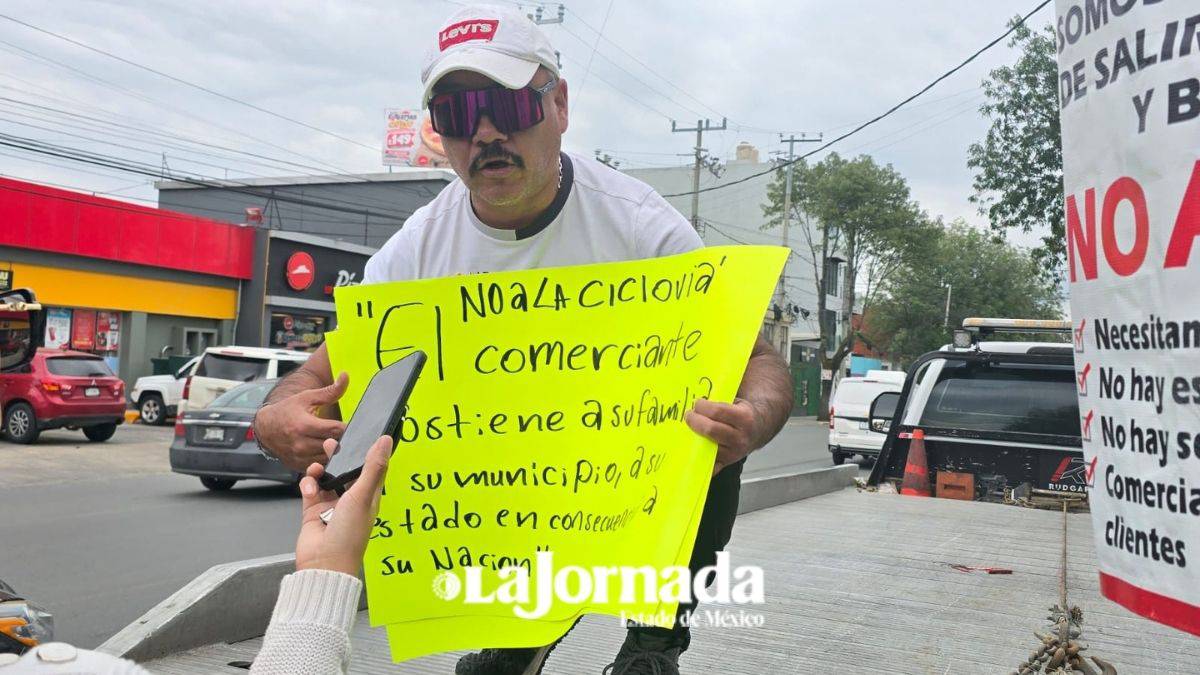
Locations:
217 444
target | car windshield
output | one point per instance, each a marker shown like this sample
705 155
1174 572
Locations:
284 367
229 367
1033 400
249 396
77 366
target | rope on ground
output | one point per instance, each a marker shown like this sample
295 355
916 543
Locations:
1061 651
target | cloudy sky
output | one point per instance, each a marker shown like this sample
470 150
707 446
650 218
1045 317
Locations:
796 66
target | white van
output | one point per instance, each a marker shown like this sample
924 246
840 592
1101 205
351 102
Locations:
223 368
849 408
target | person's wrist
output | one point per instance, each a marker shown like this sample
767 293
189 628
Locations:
254 426
329 565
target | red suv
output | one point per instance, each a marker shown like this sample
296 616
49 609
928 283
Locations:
62 389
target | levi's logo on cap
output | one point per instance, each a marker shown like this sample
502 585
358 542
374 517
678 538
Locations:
471 29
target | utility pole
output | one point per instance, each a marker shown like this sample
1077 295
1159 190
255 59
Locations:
541 19
607 159
700 128
946 320
787 201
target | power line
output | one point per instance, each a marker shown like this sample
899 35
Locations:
643 152
74 117
708 223
601 36
108 161
624 93
937 122
87 76
888 112
115 144
360 201
184 82
914 106
25 53
176 215
592 55
645 87
924 124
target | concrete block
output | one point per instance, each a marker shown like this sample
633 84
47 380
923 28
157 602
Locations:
763 493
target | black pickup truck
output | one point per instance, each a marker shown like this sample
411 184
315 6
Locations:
1005 412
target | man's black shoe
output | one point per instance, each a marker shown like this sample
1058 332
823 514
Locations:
504 661
646 654
509 661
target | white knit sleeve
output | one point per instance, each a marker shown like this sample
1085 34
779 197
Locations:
310 626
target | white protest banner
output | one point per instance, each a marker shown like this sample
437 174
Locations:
1130 108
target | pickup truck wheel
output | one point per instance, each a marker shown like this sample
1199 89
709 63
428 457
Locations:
217 484
20 423
151 410
839 459
98 433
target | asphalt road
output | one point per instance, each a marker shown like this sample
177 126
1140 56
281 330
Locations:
98 533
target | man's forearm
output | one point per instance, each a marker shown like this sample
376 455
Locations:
767 385
295 382
312 374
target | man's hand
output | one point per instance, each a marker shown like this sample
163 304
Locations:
339 546
291 429
734 427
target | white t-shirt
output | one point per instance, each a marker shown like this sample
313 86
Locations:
599 215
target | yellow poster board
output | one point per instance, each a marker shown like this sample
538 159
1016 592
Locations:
549 417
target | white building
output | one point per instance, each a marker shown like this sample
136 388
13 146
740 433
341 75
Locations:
734 215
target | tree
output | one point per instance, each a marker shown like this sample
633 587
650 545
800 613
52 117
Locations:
1019 176
987 278
859 213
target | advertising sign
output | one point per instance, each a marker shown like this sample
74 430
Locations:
401 137
83 329
311 272
300 270
108 331
1129 101
58 328
290 331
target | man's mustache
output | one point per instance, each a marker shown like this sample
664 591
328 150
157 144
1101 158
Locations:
492 153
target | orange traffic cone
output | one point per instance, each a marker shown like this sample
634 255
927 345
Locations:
916 471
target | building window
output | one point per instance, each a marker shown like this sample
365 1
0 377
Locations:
830 330
833 278
196 340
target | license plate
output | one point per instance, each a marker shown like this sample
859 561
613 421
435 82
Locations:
214 434
91 391
863 426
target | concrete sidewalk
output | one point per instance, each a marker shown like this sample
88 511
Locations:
860 583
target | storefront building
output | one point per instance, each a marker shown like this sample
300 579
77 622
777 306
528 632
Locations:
289 302
123 281
364 209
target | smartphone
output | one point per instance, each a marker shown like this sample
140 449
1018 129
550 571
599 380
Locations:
379 413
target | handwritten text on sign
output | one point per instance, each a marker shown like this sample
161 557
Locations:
549 417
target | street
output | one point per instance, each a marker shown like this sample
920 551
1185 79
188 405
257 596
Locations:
98 533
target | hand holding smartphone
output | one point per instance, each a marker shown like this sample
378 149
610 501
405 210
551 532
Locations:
379 413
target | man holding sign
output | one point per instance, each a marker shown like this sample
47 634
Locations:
495 96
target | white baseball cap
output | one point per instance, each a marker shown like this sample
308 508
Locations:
497 42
